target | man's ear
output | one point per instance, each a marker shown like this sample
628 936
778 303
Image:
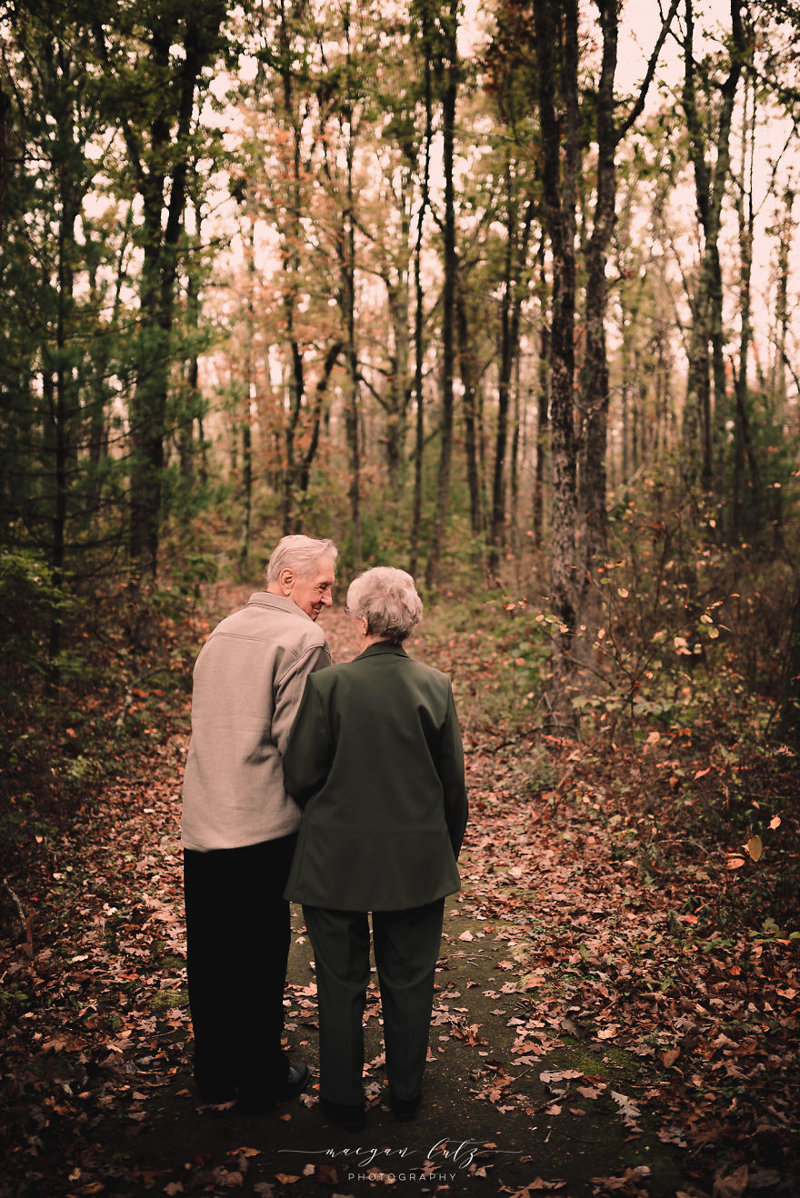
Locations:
286 578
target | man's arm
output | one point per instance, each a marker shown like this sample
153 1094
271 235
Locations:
307 759
289 692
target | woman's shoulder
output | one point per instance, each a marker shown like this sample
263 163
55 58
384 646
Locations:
430 671
426 679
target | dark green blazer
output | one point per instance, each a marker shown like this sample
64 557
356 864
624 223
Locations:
376 762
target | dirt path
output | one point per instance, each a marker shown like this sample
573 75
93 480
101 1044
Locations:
524 1095
486 1126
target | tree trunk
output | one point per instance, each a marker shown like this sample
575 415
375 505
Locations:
466 368
747 508
592 519
451 74
556 42
399 390
60 383
5 107
710 182
517 241
292 239
349 305
193 402
572 592
419 313
149 401
778 380
543 409
248 394
160 247
321 388
518 447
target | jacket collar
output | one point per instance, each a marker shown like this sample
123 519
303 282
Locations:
267 599
382 647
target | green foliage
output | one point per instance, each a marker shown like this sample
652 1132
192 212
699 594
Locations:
124 656
169 1000
507 657
29 601
696 783
688 621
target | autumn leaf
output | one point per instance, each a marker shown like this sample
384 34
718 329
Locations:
731 1185
621 1182
628 1109
755 848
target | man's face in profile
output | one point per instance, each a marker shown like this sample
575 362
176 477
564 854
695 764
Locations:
313 592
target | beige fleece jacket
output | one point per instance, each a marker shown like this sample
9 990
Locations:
248 682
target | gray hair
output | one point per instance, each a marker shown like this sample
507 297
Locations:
387 599
299 553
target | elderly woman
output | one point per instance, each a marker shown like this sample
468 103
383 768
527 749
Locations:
376 762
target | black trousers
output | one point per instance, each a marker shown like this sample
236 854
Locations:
238 935
406 945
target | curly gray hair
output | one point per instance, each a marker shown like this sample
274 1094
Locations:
299 553
387 599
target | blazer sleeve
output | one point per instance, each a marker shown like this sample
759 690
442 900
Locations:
450 767
307 758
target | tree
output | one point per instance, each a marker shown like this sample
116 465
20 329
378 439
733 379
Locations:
708 123
446 70
511 76
745 516
557 56
594 403
57 330
346 94
156 62
288 302
573 587
421 18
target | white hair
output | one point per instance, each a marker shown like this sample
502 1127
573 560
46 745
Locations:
300 554
387 599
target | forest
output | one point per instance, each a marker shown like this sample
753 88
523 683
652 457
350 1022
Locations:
501 293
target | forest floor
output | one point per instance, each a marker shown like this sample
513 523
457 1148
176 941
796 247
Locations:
593 1034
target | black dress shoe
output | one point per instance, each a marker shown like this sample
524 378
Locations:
296 1082
404 1109
258 1103
351 1118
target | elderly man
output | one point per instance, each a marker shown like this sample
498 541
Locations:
239 827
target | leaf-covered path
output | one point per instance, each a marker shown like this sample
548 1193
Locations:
583 1043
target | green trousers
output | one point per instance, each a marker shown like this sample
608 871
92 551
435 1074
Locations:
406 946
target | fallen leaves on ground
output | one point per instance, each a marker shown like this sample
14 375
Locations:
599 949
598 929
